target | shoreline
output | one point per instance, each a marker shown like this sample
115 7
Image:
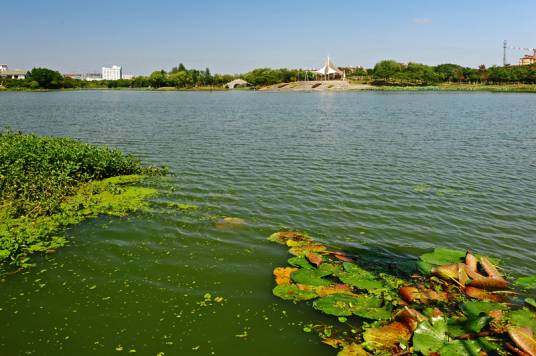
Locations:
318 86
344 86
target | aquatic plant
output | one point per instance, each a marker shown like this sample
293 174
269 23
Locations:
454 303
48 183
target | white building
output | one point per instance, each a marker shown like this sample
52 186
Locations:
13 74
113 73
3 67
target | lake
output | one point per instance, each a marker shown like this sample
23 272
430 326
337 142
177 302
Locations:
386 176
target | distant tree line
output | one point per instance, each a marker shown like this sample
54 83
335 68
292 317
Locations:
388 72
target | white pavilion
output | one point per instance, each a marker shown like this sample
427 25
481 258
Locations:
330 71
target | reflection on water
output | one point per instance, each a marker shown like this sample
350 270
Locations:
382 175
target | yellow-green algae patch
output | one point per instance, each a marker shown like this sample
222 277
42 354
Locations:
115 196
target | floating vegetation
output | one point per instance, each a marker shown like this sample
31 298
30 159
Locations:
23 236
456 303
48 183
181 206
230 223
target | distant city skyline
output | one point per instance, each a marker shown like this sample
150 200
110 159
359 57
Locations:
237 36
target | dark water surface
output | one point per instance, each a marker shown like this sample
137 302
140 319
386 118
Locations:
385 175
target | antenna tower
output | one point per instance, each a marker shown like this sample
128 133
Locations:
505 45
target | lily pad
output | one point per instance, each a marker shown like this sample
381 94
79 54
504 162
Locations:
430 335
461 348
300 261
346 305
526 282
361 283
474 309
311 277
524 339
462 326
336 304
443 256
294 292
358 277
314 258
327 269
386 338
334 289
282 274
282 237
353 350
523 318
424 267
303 250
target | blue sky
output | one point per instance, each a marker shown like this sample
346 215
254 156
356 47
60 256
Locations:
237 35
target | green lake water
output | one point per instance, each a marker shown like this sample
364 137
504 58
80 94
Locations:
385 176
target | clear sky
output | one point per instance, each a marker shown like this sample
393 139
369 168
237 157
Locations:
237 35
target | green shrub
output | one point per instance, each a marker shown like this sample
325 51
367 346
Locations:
37 173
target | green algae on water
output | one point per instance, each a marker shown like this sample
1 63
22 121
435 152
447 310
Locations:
116 196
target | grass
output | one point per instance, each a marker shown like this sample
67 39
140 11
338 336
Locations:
498 88
48 183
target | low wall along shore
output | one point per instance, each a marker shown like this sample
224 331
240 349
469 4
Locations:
326 85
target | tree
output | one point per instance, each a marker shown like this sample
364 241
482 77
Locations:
180 79
387 69
157 79
449 72
47 78
483 73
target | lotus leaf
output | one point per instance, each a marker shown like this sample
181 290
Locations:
300 261
488 344
358 277
531 302
465 326
523 318
526 282
443 256
424 267
461 348
353 350
386 338
361 283
282 274
356 270
334 289
307 248
483 295
457 327
524 339
346 305
327 269
314 258
311 277
474 309
294 292
342 304
384 313
333 342
282 237
430 335
476 325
